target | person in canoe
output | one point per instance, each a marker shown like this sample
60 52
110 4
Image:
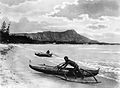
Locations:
73 64
48 52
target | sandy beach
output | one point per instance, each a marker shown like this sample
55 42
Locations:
15 72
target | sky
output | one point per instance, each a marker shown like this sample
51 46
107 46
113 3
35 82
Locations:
95 19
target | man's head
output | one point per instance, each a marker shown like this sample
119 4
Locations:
66 58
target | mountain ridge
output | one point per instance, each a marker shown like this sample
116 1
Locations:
68 36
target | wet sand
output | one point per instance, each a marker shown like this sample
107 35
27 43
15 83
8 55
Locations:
15 72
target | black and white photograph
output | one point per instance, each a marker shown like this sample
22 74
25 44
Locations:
59 43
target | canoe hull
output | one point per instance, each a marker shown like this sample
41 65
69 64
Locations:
68 71
43 55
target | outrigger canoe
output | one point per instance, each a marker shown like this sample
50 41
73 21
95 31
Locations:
68 71
43 55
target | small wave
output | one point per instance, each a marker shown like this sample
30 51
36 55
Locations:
109 64
101 75
3 45
86 64
105 70
109 52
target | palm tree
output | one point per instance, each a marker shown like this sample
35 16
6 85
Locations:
4 32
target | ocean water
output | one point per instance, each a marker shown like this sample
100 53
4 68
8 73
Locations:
105 57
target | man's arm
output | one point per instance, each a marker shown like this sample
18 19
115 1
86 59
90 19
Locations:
64 66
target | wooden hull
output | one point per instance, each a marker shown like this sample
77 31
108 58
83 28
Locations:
43 55
68 71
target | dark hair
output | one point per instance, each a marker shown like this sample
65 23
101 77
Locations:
66 58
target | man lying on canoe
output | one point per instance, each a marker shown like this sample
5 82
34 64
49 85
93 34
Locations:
73 64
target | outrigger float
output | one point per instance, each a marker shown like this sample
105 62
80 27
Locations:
68 72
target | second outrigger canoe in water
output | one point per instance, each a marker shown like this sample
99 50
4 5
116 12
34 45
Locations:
43 55
68 71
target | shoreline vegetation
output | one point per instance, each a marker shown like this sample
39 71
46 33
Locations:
46 37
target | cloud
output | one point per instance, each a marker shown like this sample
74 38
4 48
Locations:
25 25
108 37
94 9
23 8
105 37
96 27
16 9
13 2
27 9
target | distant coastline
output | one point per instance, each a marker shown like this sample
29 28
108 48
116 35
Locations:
46 37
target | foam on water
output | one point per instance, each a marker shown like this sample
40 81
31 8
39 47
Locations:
107 71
